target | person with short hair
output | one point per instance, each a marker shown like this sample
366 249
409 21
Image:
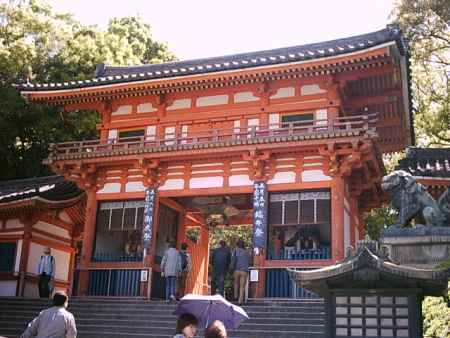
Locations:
170 270
216 330
241 265
221 258
186 326
46 272
186 266
54 322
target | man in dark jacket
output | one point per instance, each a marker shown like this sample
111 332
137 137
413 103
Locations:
221 258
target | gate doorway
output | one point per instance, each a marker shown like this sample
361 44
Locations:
203 221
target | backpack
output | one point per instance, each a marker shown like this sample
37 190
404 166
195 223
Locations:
184 260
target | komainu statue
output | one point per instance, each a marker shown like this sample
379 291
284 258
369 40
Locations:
411 199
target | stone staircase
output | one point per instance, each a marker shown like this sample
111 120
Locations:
139 318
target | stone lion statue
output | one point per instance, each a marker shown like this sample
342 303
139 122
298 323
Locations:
411 198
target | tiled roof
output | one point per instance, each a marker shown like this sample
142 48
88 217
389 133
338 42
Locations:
50 188
433 281
109 75
432 162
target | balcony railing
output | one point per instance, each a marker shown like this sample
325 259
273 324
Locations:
280 132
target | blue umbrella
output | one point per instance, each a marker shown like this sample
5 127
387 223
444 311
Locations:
210 308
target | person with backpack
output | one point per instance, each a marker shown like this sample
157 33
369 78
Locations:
171 270
186 266
221 257
46 272
240 264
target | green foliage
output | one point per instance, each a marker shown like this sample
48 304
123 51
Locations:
230 234
37 44
426 24
379 219
436 317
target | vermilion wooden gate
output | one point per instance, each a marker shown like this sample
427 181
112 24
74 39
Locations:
198 278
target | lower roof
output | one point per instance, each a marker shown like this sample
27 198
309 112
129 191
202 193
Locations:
51 190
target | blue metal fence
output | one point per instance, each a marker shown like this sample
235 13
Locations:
116 257
292 254
280 285
118 282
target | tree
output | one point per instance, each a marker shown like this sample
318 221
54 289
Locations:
37 44
426 23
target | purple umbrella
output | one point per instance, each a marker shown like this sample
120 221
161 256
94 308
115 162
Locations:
210 308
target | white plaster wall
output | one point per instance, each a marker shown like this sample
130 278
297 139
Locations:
34 255
237 126
62 261
172 184
204 101
65 217
239 180
150 133
13 223
52 229
112 134
314 176
180 104
206 182
346 230
274 121
283 177
284 92
110 188
134 186
123 110
311 89
8 288
145 108
245 97
321 115
18 255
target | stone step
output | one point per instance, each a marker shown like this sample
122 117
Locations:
136 318
150 307
20 319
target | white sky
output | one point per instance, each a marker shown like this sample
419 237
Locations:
202 28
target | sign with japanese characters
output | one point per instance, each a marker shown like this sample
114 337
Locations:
149 209
260 205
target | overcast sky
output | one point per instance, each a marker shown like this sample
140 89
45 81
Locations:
202 28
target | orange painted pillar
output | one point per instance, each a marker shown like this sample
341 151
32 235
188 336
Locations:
353 220
88 241
204 238
26 242
337 227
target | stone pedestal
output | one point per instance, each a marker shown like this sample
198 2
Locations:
421 247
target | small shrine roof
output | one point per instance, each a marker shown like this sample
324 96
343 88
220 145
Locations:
106 75
54 190
359 269
426 162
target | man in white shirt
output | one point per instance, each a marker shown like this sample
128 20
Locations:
46 272
55 322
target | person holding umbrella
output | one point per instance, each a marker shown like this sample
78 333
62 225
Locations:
186 326
216 330
208 309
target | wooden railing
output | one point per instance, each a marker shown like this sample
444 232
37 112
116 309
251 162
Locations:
355 124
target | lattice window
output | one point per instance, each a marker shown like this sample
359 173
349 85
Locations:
371 316
119 216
